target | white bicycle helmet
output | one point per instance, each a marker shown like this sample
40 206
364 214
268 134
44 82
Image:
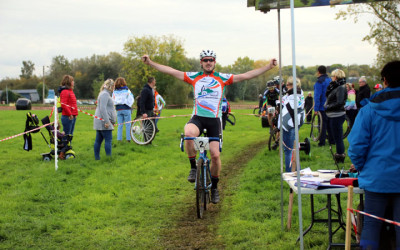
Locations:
208 53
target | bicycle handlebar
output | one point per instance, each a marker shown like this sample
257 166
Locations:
219 139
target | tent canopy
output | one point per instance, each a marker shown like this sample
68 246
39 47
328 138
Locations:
267 5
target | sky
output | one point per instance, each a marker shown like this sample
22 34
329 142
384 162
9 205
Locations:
40 30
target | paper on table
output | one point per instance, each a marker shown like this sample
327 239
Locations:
326 171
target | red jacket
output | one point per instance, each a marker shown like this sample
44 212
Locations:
68 97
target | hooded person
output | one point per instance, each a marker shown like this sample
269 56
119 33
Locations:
374 151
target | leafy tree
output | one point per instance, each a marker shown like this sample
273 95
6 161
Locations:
166 50
59 67
86 71
12 97
384 27
39 89
27 69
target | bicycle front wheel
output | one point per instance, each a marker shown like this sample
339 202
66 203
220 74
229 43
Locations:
316 125
231 119
143 131
346 127
200 189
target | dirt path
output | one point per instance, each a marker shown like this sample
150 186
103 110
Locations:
193 233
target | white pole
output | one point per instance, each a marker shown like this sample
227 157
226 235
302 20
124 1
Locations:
280 109
7 93
43 86
296 125
55 133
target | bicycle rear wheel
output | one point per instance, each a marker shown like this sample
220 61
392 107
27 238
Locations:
316 125
143 131
272 140
200 190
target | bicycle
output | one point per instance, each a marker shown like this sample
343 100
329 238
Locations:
316 125
203 176
143 131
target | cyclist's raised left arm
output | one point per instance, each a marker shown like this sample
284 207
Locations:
255 72
163 68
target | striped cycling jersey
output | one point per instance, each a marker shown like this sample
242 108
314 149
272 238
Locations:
208 91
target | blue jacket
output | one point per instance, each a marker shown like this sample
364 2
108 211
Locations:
319 92
375 143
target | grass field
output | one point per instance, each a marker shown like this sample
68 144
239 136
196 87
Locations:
139 197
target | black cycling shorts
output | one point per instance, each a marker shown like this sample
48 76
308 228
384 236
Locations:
213 125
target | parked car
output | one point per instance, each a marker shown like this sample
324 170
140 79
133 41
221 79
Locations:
23 104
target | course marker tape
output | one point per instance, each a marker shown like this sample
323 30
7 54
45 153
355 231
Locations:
27 132
376 217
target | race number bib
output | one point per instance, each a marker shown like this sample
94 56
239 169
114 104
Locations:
201 143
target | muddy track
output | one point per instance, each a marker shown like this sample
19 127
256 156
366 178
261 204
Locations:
193 233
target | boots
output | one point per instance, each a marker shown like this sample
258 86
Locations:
62 156
340 157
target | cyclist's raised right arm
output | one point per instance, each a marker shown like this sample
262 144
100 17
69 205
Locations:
163 68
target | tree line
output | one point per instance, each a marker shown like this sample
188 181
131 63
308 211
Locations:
90 72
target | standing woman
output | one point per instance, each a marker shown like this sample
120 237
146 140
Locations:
123 101
106 111
159 104
68 105
336 96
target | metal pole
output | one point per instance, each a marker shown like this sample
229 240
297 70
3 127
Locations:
43 86
7 93
280 109
55 132
296 125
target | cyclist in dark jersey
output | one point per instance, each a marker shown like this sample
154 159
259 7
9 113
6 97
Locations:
209 88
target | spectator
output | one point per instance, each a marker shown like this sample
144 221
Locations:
374 151
350 106
123 101
260 103
159 105
378 87
288 118
336 96
309 102
69 107
106 111
147 98
363 92
319 100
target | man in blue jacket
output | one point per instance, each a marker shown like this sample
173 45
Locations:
319 100
374 151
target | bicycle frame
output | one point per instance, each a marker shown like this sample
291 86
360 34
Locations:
203 177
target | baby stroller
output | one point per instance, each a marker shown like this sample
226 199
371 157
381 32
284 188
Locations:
64 148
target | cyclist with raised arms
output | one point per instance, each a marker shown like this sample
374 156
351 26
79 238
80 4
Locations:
209 89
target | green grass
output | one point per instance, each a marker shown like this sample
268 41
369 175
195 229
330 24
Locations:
128 201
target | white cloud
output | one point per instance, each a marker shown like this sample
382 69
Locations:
40 30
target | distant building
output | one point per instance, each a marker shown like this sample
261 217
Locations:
30 94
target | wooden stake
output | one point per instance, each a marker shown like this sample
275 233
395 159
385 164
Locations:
348 218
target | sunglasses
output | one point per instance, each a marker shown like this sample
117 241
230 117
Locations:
208 60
